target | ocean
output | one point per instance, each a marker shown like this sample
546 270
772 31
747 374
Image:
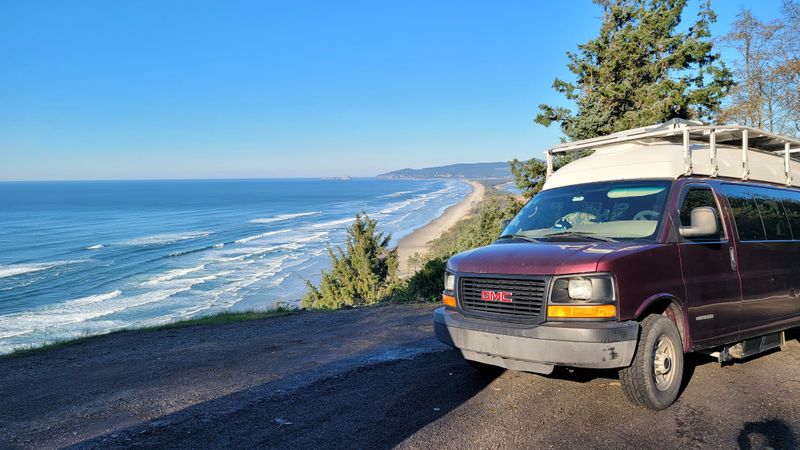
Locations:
82 258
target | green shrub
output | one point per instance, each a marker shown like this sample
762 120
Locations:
364 272
425 285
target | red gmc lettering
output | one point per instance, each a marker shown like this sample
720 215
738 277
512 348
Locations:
501 296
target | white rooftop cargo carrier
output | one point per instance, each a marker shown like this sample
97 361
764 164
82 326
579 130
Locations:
680 148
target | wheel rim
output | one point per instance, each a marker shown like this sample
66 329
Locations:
664 372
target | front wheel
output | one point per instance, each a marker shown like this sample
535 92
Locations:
654 377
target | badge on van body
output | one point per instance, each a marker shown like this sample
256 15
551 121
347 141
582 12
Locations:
499 296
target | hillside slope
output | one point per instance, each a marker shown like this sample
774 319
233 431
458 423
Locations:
493 170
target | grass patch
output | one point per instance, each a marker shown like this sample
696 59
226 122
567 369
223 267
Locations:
219 318
225 317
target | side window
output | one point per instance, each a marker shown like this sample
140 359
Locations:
776 225
745 214
792 207
696 197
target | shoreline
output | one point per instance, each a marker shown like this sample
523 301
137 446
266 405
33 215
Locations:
417 241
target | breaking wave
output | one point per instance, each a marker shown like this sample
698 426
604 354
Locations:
12 270
333 223
283 217
260 236
172 274
396 194
167 238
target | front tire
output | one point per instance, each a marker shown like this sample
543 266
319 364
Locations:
654 378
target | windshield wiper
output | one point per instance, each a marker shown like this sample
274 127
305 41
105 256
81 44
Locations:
517 236
581 234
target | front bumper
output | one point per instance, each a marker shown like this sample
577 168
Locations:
599 345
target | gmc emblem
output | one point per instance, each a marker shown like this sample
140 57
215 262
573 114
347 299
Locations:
501 296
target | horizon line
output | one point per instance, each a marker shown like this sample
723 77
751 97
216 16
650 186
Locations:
83 180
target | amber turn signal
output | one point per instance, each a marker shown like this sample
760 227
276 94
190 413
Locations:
581 311
449 300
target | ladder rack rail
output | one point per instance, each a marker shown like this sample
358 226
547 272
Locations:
751 139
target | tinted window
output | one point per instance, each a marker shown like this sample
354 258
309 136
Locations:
776 225
697 197
745 213
791 204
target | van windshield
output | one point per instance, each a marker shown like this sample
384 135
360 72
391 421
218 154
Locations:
615 210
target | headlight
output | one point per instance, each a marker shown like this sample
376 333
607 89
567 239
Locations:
583 297
579 288
449 282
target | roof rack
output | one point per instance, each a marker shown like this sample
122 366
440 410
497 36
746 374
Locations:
686 131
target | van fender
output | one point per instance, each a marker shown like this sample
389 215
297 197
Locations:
682 322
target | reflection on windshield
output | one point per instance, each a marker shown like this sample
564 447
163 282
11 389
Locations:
590 212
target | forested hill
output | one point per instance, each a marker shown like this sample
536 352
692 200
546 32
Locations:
494 170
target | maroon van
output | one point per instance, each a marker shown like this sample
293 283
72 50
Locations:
626 262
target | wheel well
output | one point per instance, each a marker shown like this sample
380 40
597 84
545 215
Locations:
667 307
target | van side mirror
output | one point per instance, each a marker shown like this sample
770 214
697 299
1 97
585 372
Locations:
505 222
703 223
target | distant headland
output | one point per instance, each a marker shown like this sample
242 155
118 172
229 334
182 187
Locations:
499 171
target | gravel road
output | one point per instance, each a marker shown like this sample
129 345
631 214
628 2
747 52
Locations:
367 378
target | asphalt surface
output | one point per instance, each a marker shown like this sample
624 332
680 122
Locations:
367 378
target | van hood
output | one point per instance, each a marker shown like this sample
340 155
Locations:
538 258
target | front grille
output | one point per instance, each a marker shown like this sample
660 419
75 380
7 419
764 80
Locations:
526 300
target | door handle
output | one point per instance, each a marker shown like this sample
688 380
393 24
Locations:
732 254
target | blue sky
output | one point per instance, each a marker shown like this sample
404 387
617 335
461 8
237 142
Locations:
109 90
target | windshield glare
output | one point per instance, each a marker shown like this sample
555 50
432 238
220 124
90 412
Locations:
614 210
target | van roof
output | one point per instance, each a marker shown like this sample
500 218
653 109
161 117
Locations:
680 148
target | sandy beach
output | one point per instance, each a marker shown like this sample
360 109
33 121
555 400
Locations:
417 242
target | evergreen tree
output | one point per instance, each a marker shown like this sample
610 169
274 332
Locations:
364 272
529 175
641 70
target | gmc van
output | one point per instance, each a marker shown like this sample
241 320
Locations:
665 240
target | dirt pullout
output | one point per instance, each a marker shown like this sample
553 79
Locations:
368 379
61 397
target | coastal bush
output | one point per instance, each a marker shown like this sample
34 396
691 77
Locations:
363 273
425 285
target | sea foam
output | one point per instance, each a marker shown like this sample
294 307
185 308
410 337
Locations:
260 236
76 313
396 194
11 270
167 238
283 217
334 223
172 274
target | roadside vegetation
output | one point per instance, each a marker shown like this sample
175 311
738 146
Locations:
364 272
